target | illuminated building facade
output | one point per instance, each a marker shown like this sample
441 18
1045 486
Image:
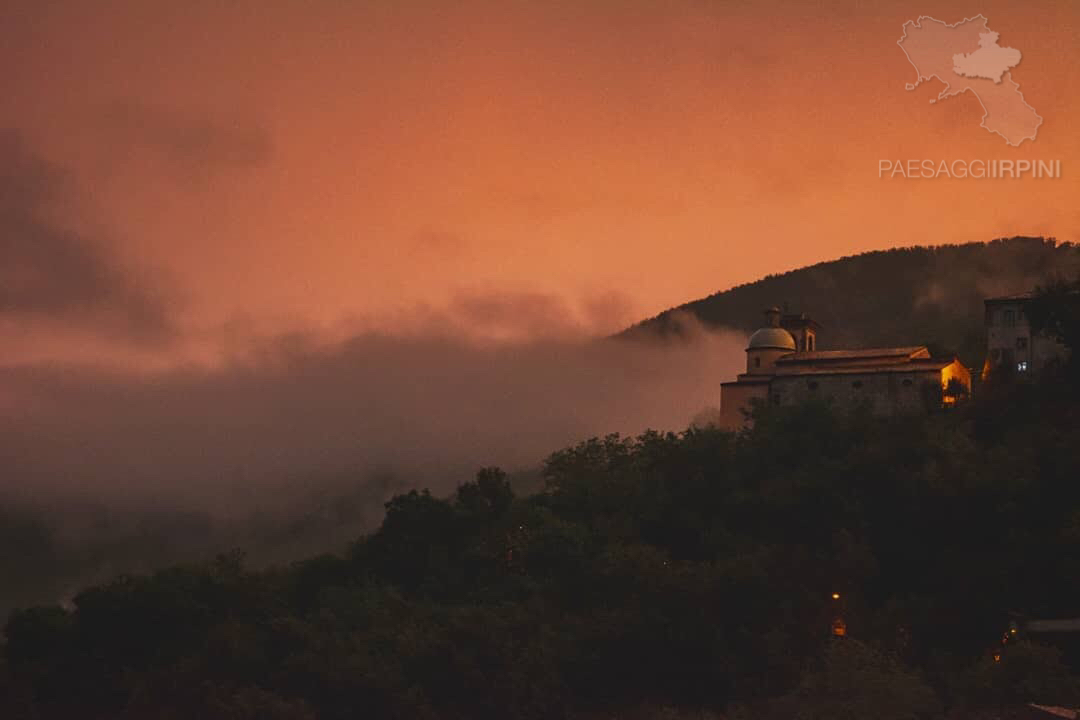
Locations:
783 367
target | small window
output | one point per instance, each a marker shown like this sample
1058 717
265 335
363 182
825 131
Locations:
757 362
857 384
1021 343
776 398
1022 366
1010 317
813 384
907 382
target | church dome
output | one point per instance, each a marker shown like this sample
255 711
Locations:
772 337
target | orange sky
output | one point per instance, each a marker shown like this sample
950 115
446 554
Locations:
290 165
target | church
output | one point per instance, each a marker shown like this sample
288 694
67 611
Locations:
784 367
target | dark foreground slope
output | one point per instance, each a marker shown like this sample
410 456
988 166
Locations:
692 570
905 296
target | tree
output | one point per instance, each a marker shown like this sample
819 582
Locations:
488 496
1055 310
852 681
1024 672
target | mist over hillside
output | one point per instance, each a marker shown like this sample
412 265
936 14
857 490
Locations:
903 296
296 449
297 452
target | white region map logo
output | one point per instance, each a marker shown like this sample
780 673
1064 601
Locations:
967 58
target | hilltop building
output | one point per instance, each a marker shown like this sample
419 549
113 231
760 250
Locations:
784 367
1010 343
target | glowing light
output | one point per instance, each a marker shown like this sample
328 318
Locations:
836 596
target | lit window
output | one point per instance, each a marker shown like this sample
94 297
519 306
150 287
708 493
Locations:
1022 366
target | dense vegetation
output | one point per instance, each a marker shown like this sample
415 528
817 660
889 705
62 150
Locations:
905 296
691 571
52 547
916 295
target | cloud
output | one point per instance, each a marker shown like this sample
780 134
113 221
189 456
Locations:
439 243
428 409
58 277
481 317
293 447
194 147
515 315
522 316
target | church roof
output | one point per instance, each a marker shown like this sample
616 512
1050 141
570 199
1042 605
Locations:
891 355
868 360
771 337
915 365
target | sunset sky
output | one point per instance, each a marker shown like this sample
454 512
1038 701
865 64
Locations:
517 168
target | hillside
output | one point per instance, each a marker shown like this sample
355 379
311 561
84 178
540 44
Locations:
700 574
903 296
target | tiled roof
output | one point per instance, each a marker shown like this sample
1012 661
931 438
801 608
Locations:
914 358
826 356
916 365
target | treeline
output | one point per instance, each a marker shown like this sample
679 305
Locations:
51 547
692 570
903 296
668 575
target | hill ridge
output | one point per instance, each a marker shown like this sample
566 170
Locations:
919 294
